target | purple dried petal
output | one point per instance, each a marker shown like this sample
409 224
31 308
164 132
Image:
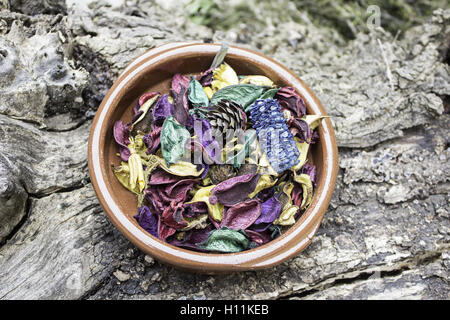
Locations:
160 176
234 190
164 230
290 100
179 92
162 109
300 129
153 140
241 215
121 134
310 170
147 220
270 210
156 203
192 237
206 77
297 194
178 191
148 95
265 194
172 216
195 208
202 129
258 237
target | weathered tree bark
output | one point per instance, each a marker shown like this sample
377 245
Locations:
385 235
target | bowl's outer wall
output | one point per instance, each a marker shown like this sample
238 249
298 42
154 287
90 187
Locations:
157 77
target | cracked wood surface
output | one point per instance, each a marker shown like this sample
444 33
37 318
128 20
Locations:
385 235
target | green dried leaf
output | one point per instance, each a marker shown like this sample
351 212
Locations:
242 94
225 240
174 137
197 95
269 94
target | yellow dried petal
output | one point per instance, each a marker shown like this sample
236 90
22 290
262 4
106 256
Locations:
287 217
313 120
202 195
182 169
209 92
124 178
137 177
224 76
307 187
145 107
264 182
198 222
257 80
303 147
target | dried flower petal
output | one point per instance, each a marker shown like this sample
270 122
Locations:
305 181
225 240
122 174
257 80
234 190
174 138
198 222
303 150
147 220
136 172
144 121
270 210
313 120
264 182
121 134
288 210
224 76
202 195
164 231
192 237
300 129
172 216
310 170
291 100
258 237
270 93
206 77
162 109
242 215
183 169
146 96
179 91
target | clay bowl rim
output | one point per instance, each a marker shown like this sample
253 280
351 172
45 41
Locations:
293 241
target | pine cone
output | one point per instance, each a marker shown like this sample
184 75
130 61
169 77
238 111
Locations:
226 115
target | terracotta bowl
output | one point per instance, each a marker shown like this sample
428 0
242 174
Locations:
153 71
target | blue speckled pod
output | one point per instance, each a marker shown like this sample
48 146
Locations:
273 133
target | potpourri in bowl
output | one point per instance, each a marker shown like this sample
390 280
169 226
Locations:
219 160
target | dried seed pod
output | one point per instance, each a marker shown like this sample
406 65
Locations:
247 168
219 173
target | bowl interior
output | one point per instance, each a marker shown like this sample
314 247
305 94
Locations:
158 78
